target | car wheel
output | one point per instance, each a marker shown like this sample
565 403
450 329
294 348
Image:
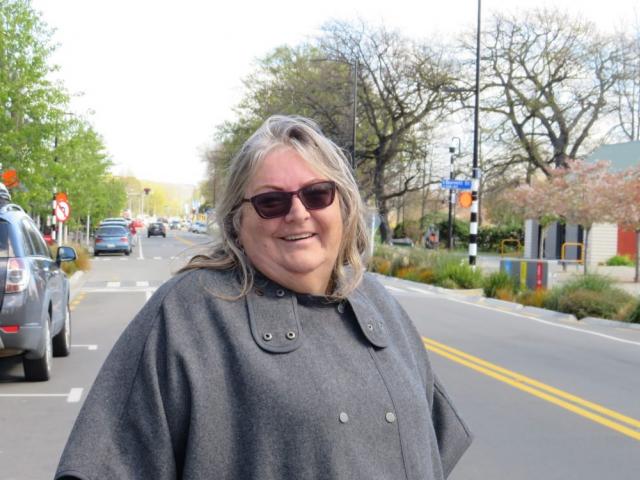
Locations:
127 252
62 341
164 235
39 369
149 236
95 254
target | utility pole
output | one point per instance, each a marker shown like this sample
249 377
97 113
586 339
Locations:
452 152
475 181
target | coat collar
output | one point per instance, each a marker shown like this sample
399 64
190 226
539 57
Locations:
275 323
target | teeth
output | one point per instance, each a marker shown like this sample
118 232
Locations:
298 237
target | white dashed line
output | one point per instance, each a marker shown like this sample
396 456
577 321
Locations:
88 347
113 284
142 284
74 395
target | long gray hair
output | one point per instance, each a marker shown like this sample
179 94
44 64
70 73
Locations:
304 136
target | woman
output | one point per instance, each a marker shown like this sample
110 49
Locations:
273 357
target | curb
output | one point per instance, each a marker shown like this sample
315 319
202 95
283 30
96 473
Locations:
609 323
518 308
73 283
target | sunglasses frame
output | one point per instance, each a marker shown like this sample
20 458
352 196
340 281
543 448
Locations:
289 198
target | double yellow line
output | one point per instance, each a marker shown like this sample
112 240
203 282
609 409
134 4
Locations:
597 413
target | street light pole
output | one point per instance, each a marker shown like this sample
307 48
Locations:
452 151
475 181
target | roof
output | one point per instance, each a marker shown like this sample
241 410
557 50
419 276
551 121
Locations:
621 155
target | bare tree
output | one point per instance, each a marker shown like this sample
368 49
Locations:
548 78
403 87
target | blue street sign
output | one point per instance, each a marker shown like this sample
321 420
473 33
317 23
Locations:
455 184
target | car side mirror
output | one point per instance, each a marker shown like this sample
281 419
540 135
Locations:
65 254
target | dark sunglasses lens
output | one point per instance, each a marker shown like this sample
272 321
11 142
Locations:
319 195
272 204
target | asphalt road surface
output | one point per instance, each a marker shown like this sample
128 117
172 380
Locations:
546 398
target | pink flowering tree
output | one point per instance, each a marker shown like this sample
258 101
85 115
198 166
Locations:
627 212
579 194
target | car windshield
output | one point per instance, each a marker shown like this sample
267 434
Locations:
6 249
111 231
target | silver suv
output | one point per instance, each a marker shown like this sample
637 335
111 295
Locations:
35 320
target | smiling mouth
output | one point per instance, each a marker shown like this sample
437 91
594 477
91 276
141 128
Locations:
295 238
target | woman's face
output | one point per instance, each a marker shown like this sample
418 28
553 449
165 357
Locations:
298 250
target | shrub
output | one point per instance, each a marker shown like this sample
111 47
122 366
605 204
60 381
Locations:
634 315
506 294
592 282
533 298
380 265
620 261
82 261
630 312
461 274
591 303
498 281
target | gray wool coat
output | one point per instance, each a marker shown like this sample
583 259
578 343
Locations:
272 386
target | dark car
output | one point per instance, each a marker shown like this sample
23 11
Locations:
157 228
112 239
35 320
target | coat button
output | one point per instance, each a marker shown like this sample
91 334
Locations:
267 336
344 418
390 417
370 326
291 335
341 307
280 292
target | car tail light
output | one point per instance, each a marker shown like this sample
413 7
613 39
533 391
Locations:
17 276
10 328
98 240
124 239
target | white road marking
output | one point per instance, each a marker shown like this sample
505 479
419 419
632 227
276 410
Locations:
124 259
394 289
120 290
88 347
75 395
113 284
528 317
142 284
157 258
140 255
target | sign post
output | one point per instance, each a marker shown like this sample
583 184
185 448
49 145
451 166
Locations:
61 212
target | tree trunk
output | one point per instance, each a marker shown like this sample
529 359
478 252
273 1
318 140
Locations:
385 230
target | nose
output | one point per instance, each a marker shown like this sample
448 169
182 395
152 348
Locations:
298 211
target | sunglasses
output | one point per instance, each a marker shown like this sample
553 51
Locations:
277 204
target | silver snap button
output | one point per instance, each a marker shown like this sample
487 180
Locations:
390 417
344 418
369 326
341 307
280 292
267 336
291 335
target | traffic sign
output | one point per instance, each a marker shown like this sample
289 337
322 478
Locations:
62 211
465 199
61 197
455 184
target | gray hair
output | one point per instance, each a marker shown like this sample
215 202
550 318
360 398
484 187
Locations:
305 137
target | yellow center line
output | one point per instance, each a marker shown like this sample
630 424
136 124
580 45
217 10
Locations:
186 242
538 389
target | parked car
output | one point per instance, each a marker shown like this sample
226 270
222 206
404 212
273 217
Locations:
121 222
112 239
157 228
35 320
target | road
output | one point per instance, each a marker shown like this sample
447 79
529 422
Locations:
545 397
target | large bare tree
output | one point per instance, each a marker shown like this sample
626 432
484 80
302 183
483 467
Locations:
548 77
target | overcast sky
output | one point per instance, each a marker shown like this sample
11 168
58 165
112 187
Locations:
155 77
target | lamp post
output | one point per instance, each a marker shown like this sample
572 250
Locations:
475 180
452 198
